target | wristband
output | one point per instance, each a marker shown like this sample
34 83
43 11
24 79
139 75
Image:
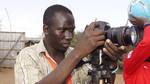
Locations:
114 71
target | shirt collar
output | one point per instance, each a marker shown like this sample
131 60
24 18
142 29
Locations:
40 47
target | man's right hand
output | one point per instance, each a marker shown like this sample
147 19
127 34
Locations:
90 40
113 51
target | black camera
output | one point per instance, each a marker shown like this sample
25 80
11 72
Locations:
102 65
123 35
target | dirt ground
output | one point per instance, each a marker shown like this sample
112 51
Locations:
7 77
119 79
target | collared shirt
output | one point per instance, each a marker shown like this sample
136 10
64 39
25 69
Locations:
135 69
52 63
31 66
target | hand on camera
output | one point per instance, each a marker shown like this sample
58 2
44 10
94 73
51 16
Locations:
113 51
90 39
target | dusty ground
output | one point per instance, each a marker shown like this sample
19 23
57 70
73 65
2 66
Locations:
7 77
119 79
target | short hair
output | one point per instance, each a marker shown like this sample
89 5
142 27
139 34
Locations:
50 12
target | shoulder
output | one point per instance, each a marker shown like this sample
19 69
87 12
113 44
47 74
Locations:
27 54
28 50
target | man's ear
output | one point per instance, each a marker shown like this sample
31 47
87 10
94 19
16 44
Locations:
45 29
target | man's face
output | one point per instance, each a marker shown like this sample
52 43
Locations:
60 32
138 22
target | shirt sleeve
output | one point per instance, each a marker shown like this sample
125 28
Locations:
140 53
26 69
80 75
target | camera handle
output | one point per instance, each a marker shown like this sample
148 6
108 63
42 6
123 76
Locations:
101 72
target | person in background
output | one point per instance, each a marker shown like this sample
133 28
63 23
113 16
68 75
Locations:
136 65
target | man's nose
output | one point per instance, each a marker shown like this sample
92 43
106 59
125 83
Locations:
68 35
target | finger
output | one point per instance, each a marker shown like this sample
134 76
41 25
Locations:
99 38
110 50
86 27
123 49
112 46
95 42
91 26
100 43
97 32
109 54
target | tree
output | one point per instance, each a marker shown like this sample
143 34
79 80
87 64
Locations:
76 38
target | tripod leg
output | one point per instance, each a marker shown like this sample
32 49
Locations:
101 81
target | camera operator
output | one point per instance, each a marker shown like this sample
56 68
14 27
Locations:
136 66
52 61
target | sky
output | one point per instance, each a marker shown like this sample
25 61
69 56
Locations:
27 15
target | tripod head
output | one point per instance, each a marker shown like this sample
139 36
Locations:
102 67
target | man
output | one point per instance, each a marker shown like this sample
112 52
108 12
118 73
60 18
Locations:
45 63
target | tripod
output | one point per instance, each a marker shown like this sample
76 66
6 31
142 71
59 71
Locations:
102 68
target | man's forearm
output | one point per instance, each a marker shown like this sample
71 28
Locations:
63 69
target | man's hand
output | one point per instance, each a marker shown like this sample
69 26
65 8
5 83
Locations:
90 39
113 51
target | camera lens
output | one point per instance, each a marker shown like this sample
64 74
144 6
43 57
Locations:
134 36
130 36
123 35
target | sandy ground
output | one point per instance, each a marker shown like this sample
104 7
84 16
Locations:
119 79
7 77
